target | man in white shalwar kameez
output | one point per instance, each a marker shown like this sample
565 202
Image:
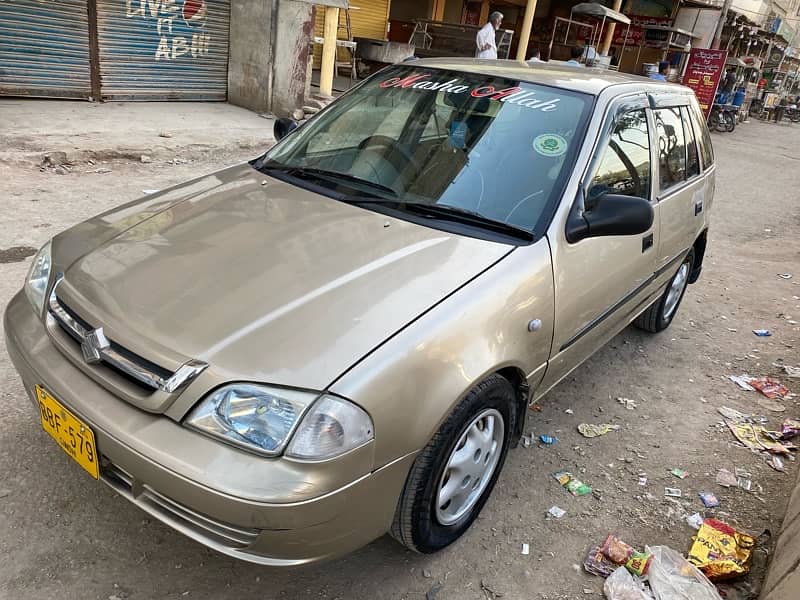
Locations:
486 39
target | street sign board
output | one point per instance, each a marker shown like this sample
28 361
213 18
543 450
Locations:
704 70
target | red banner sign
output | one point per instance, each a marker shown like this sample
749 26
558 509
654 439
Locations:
704 70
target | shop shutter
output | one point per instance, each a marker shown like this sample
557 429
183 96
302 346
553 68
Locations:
369 18
163 49
44 49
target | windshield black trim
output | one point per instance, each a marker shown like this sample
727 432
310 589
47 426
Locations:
449 226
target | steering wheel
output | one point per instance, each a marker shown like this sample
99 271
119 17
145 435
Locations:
398 156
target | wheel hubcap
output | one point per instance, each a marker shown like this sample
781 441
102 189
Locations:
676 289
470 466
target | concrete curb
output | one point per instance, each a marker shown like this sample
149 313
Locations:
783 577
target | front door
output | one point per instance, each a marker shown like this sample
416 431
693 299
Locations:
601 283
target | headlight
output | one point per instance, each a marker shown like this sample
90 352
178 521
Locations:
262 419
254 417
332 427
38 277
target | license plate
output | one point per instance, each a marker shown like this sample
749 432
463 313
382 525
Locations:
74 436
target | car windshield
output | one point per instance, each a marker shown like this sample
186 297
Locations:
494 148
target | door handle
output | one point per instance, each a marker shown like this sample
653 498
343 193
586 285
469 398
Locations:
647 242
698 207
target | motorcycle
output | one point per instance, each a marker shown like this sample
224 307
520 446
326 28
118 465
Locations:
792 113
722 117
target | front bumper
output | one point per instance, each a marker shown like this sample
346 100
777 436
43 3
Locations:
176 486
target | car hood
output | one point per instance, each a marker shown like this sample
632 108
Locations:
266 281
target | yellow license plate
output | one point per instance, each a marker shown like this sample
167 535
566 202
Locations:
74 436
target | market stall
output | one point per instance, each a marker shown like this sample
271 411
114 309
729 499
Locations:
594 18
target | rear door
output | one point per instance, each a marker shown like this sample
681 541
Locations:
683 192
603 282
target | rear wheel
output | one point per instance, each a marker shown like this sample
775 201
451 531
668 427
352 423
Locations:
660 314
730 121
455 473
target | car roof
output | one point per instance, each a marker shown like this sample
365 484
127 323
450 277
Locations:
554 73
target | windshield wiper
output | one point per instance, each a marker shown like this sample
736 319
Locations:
314 171
449 213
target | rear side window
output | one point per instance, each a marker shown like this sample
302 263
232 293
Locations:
625 164
671 147
692 159
702 134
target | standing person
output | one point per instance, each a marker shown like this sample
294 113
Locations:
486 40
730 80
575 53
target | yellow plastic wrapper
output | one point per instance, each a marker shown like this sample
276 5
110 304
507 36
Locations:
720 551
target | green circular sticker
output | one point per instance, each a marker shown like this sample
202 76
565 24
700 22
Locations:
550 144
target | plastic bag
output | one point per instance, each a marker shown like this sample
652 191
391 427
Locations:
622 586
672 577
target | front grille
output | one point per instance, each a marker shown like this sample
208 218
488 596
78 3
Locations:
97 348
207 529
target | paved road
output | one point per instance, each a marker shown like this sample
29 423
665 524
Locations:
64 536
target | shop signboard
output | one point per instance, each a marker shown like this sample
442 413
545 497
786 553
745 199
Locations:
704 70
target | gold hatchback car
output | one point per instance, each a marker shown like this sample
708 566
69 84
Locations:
290 357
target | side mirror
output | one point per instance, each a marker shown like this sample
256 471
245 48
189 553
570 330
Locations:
283 127
610 214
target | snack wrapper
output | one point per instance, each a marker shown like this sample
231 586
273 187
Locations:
769 387
621 553
574 486
790 429
720 551
597 563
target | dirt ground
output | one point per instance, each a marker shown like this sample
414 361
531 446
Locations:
63 535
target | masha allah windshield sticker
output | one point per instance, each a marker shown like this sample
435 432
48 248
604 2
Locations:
550 144
510 95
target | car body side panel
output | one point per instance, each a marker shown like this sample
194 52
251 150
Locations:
411 383
601 283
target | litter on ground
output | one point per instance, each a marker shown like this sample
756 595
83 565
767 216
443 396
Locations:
574 486
720 551
679 473
591 430
708 499
725 478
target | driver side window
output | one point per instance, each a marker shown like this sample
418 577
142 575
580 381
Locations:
625 164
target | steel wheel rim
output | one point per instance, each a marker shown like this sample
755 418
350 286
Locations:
470 466
676 289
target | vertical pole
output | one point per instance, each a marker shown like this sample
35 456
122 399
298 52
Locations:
610 32
437 10
723 16
328 51
525 33
94 51
484 16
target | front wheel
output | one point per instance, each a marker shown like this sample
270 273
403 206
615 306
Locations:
660 314
454 474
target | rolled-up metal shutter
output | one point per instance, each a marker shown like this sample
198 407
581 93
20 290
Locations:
44 49
163 49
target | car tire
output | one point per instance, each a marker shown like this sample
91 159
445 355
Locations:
660 314
424 524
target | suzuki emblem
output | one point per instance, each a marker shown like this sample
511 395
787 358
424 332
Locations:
93 343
